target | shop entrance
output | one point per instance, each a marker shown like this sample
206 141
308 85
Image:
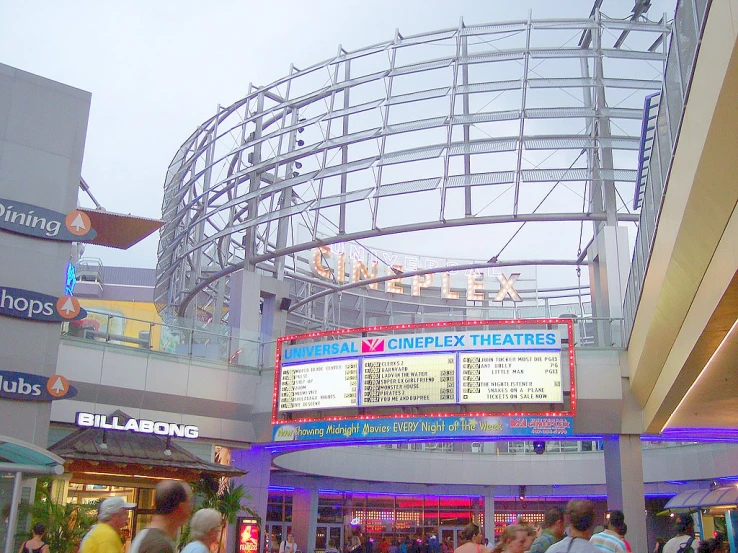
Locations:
327 533
451 536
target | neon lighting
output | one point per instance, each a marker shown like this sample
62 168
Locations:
702 373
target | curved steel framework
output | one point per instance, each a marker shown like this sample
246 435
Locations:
518 133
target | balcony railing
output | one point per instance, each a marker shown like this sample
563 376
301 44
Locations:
689 22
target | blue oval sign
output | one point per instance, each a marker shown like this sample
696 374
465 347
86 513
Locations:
39 222
34 387
25 304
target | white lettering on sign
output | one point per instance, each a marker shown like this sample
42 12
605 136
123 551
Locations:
28 219
141 426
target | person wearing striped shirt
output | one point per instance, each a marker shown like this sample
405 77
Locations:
608 541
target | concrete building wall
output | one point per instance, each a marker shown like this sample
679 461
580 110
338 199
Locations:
42 135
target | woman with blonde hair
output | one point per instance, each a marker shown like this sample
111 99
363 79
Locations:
205 531
513 539
473 540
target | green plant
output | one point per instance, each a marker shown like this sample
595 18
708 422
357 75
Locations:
66 524
225 498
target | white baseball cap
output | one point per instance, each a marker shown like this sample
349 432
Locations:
113 505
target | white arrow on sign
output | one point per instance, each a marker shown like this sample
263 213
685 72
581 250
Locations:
68 306
58 386
78 223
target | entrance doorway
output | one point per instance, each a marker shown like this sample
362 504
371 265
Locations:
327 533
451 536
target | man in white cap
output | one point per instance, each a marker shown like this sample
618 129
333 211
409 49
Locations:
104 537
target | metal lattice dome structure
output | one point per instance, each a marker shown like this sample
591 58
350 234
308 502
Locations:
504 145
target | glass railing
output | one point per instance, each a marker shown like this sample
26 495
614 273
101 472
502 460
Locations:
689 21
500 447
185 338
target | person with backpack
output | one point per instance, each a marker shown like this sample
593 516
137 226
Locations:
684 541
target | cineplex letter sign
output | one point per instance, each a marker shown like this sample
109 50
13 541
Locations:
39 222
140 426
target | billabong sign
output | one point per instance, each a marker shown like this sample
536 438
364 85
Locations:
141 426
25 304
34 387
39 222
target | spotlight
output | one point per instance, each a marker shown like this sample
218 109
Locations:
298 165
539 447
521 493
295 174
300 142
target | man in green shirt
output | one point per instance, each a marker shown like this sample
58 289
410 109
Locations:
104 537
553 531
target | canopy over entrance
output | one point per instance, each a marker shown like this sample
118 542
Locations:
719 497
18 457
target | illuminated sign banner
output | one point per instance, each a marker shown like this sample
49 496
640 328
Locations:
409 380
141 426
34 387
417 343
470 427
39 222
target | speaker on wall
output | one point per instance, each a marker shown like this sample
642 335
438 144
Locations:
285 303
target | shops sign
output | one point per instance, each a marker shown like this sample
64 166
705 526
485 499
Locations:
39 222
141 426
34 387
26 304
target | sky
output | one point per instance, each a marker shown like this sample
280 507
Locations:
156 69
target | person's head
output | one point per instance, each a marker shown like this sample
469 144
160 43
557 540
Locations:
471 533
173 499
114 511
683 524
290 537
39 529
205 526
624 530
554 521
581 514
513 539
530 536
615 522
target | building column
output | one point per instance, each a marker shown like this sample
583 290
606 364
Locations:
305 518
489 514
625 489
257 461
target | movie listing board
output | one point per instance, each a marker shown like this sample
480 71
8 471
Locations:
325 385
409 380
510 377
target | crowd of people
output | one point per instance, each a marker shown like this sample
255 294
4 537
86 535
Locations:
562 531
569 531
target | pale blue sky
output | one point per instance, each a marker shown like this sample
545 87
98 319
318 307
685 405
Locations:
158 68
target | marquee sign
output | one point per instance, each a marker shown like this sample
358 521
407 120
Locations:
34 306
487 368
470 427
39 222
34 387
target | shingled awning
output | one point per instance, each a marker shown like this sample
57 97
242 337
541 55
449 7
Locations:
129 453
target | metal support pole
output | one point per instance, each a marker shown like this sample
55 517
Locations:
13 517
